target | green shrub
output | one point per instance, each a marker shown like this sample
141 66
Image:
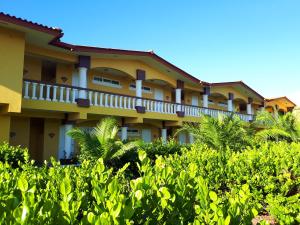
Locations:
158 147
196 186
13 155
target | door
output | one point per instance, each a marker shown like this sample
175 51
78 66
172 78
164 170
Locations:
182 138
48 72
146 135
75 82
36 139
75 79
158 94
61 150
195 100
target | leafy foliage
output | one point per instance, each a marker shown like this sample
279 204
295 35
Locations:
277 127
13 155
221 132
101 142
198 186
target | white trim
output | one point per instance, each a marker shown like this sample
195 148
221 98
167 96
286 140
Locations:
106 83
144 91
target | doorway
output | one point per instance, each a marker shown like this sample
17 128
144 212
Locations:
182 137
195 100
48 72
158 94
36 139
146 135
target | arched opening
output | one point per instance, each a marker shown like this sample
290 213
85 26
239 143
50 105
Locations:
110 80
281 111
159 90
218 100
240 105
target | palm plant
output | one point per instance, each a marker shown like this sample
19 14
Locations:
276 127
219 133
101 142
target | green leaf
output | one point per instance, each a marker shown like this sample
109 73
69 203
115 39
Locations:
91 217
213 196
227 220
138 194
22 184
142 155
254 211
65 186
213 207
165 192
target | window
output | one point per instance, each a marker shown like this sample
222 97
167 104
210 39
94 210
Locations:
106 82
144 88
223 104
133 132
210 102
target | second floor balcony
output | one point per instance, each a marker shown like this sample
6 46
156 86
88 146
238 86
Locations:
42 91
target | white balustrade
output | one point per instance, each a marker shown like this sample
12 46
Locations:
48 92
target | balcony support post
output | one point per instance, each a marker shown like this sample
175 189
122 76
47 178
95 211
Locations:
178 97
164 135
124 133
83 66
140 76
249 106
206 92
68 147
230 102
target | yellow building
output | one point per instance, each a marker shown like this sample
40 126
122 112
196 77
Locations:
281 104
47 87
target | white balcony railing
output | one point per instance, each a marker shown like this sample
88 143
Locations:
36 90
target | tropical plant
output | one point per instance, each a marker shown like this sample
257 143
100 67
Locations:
101 142
188 188
276 127
221 132
14 155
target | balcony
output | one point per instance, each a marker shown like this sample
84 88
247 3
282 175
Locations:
41 91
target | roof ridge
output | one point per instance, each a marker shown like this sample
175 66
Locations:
31 22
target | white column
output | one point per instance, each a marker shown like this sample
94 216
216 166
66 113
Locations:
178 99
138 91
41 92
249 108
205 101
230 105
164 135
191 139
82 82
26 94
68 142
124 135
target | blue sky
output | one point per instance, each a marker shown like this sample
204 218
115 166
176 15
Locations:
257 41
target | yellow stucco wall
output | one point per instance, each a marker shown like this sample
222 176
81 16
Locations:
11 68
20 129
33 68
4 128
63 71
130 67
125 84
51 127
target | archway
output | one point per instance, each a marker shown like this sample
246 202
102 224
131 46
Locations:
240 105
218 100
